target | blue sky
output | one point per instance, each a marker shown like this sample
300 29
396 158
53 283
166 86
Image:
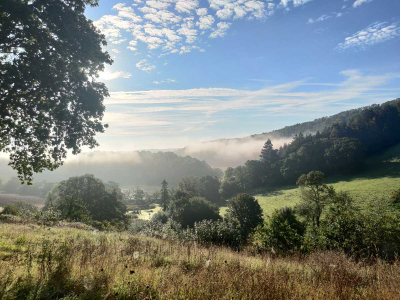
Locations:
187 71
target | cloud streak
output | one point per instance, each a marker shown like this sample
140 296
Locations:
178 112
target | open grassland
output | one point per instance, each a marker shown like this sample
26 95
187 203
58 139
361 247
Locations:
379 179
38 262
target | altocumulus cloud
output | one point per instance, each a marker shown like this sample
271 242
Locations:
374 34
175 26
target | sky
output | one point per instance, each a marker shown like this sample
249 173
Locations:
188 71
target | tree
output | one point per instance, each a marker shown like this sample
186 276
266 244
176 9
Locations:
189 211
246 211
315 194
73 210
268 154
190 186
209 189
50 101
91 192
11 186
164 195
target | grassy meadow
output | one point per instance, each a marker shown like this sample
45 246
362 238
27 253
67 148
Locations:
39 262
379 179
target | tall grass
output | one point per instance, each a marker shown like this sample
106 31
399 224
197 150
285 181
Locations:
38 262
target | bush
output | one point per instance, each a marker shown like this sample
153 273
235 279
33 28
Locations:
160 216
373 232
281 234
189 211
221 233
21 209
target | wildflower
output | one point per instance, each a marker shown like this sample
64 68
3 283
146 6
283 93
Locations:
208 263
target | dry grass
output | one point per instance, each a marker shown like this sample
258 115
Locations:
38 262
12 198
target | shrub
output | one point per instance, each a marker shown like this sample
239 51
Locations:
160 216
221 233
373 232
21 209
189 211
282 233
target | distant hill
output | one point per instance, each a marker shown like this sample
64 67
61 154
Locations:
127 168
225 153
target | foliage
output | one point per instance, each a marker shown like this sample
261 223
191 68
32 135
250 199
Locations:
245 210
189 211
50 101
282 233
73 210
339 148
91 193
38 189
315 194
21 209
164 195
160 216
209 189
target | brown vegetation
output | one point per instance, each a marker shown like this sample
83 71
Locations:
13 198
51 263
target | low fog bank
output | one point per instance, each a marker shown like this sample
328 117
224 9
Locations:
142 168
231 152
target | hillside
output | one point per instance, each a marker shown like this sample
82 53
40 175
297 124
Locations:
378 180
233 152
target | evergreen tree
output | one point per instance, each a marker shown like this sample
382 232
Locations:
164 195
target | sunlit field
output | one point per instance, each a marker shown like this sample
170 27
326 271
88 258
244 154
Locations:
379 180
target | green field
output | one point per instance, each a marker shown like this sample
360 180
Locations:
379 179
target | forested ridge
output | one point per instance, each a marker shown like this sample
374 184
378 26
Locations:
339 148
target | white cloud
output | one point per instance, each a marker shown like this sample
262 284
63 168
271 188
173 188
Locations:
201 11
374 34
106 75
174 26
285 3
115 50
222 27
145 66
205 22
238 9
186 6
118 41
360 2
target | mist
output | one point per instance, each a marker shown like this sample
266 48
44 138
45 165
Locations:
231 152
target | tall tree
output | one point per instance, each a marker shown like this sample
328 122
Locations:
164 195
209 189
91 192
50 101
315 194
246 212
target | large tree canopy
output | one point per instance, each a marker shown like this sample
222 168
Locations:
50 55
